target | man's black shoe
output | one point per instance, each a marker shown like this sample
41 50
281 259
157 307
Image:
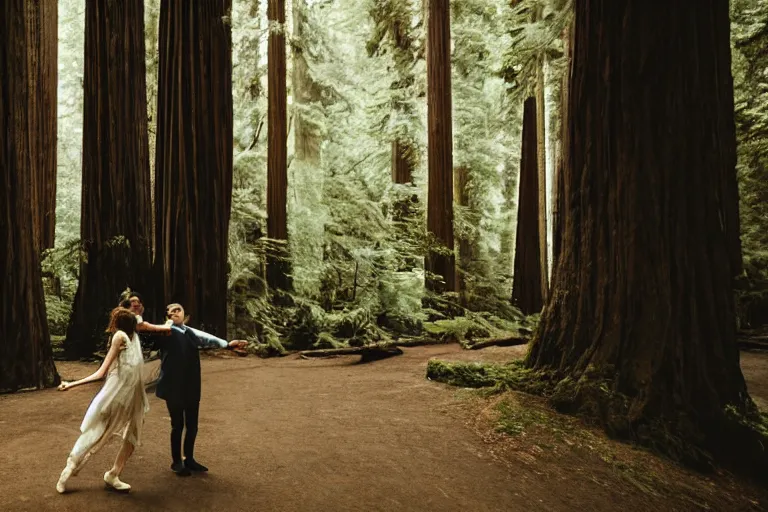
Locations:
180 469
193 465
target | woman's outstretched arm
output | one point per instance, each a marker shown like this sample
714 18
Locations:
118 342
146 327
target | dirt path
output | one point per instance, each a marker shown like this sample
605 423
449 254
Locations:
295 435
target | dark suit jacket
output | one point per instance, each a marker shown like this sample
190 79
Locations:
179 382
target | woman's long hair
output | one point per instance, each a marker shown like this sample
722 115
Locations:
122 319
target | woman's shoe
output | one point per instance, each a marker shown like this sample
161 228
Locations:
114 482
61 485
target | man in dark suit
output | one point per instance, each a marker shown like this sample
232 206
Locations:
179 384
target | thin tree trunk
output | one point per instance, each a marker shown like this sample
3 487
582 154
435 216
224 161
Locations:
277 164
193 184
461 192
558 192
116 204
440 145
642 301
526 283
26 359
541 156
402 162
306 92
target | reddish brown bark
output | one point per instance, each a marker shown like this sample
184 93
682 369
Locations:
193 180
41 24
643 296
440 145
277 164
526 283
26 358
115 226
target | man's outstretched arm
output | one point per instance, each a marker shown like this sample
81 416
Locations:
208 340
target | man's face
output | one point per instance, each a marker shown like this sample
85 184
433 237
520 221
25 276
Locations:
176 314
137 308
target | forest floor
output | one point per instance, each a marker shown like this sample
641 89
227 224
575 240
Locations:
332 435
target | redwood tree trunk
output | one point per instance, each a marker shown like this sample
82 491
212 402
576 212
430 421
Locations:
26 359
440 145
193 181
42 51
643 297
558 190
115 226
526 283
541 159
277 165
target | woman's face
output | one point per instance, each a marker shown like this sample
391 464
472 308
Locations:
137 308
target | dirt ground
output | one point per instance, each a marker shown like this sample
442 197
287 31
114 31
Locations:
332 435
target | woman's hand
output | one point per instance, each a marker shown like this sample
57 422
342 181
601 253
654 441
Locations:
64 386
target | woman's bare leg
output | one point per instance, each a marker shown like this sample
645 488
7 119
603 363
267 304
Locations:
122 457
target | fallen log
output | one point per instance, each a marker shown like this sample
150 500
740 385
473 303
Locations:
754 343
344 351
368 353
510 341
419 342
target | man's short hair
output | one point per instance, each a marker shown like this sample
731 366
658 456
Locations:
173 305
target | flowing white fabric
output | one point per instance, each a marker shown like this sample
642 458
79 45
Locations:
120 405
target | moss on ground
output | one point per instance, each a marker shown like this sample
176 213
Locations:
592 397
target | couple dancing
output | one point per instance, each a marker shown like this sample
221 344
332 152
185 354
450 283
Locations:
120 405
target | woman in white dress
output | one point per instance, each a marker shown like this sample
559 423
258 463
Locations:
118 408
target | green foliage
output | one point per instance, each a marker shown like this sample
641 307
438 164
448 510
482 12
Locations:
530 36
749 38
60 269
499 377
476 325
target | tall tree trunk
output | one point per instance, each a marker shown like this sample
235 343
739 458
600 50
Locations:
526 283
193 182
440 145
26 359
278 267
558 192
541 156
42 50
642 301
305 92
116 211
461 186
